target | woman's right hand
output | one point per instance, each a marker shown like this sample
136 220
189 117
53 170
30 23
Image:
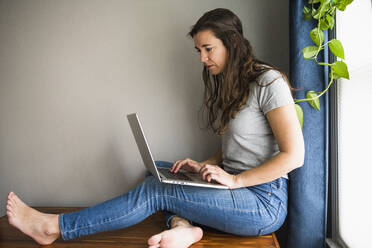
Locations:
186 164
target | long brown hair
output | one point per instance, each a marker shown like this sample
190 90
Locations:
229 91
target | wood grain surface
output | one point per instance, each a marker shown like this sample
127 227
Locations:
135 236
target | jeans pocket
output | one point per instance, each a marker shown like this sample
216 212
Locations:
277 184
264 192
279 190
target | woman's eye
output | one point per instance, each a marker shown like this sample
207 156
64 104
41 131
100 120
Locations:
208 49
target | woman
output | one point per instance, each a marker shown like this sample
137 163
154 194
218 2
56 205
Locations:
249 103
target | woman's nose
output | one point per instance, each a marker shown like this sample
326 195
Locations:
203 57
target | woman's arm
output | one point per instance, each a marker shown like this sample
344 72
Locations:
288 134
287 131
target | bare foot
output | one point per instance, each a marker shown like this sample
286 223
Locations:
43 228
180 236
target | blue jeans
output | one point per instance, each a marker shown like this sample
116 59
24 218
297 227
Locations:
250 211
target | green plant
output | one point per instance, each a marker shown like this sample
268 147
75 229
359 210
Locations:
324 12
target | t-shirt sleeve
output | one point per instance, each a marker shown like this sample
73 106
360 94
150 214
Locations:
274 95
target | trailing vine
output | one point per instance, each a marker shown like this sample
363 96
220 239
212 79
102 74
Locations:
324 12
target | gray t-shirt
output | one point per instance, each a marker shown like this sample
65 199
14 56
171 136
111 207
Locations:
249 140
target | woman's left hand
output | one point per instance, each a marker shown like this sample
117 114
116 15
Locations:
214 172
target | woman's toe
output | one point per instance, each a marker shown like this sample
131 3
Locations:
154 240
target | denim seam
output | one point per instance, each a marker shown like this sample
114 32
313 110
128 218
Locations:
274 222
61 226
123 216
112 219
282 205
269 200
213 206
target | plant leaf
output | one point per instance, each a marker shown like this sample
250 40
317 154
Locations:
340 69
315 13
300 114
315 103
317 36
306 13
336 48
324 24
314 1
324 6
335 76
341 4
331 21
309 51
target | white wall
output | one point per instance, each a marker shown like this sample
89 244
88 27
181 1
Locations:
355 125
70 71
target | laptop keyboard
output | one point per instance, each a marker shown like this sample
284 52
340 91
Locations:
170 175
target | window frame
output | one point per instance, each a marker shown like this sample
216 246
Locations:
333 240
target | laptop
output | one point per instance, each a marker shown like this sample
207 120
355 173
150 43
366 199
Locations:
161 173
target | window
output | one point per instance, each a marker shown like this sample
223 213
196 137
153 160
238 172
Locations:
351 170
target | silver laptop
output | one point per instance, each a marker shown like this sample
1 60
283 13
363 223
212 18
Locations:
163 174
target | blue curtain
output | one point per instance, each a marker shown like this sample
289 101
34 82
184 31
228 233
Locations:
307 212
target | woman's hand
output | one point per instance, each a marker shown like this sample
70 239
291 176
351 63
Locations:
186 164
214 172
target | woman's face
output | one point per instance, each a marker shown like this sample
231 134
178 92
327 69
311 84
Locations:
213 54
